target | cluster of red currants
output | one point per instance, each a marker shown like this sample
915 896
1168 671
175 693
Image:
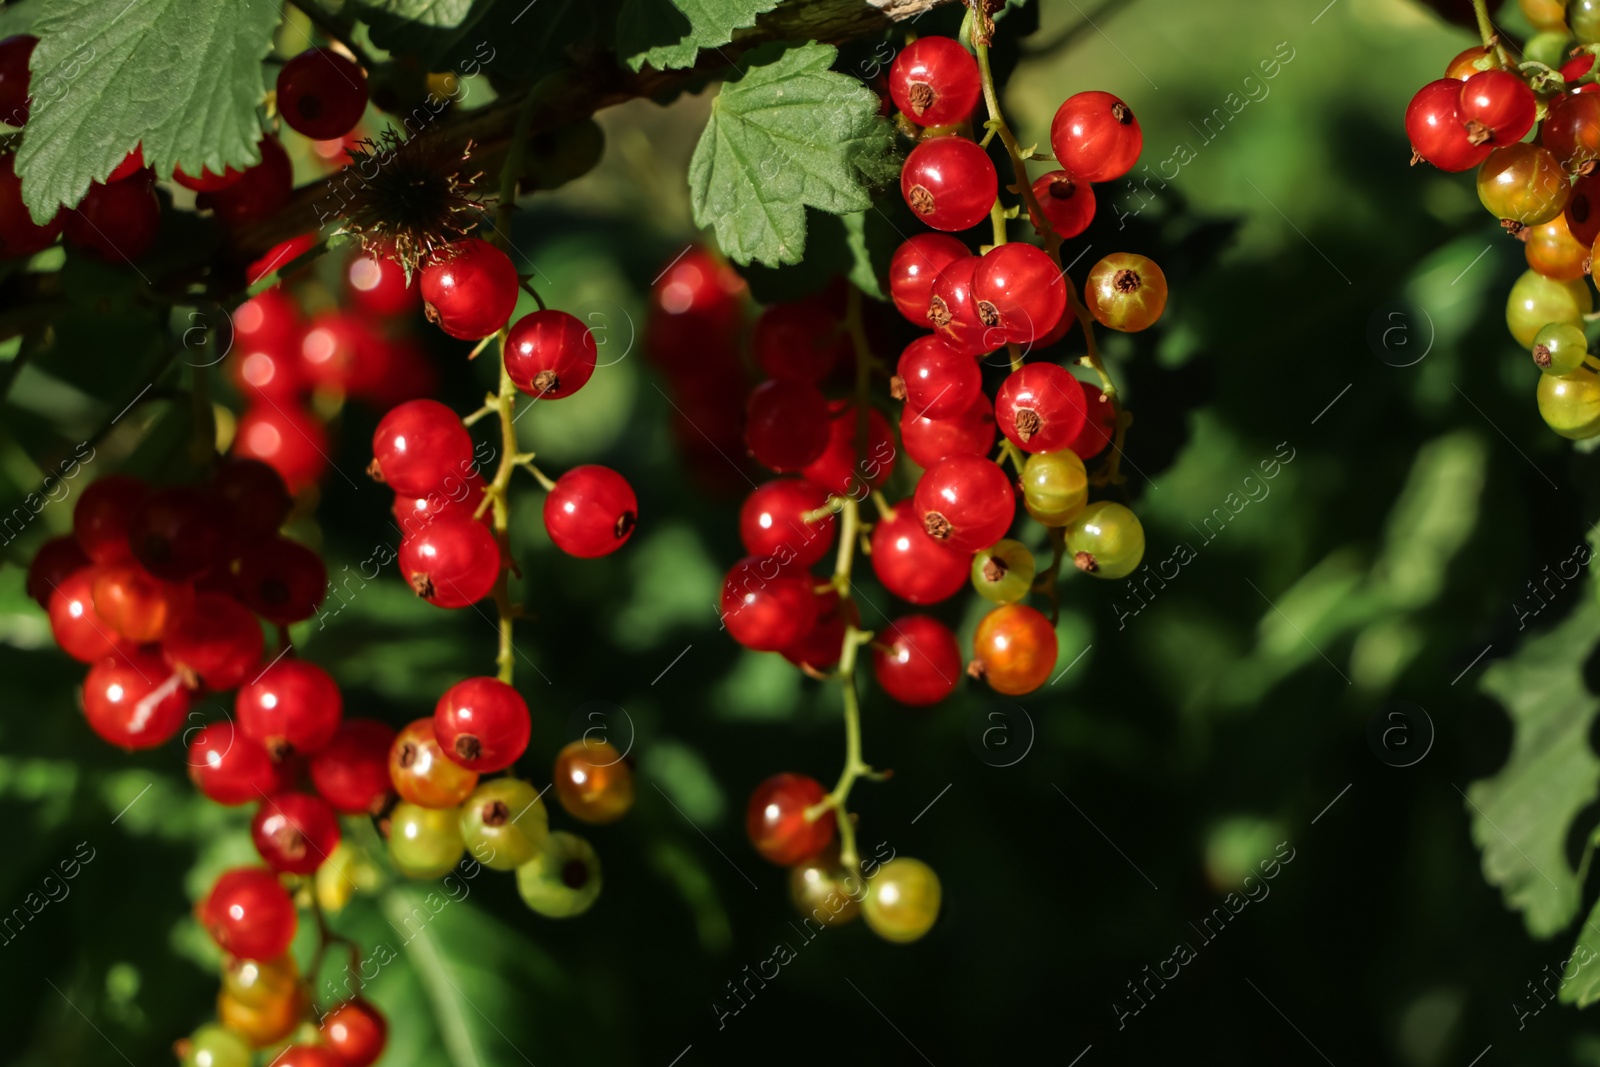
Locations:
1545 190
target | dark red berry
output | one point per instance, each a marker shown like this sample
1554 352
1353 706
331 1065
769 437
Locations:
966 502
295 832
287 439
772 521
451 563
469 289
802 341
912 565
1067 203
77 628
934 81
260 190
916 660
1095 136
949 182
249 914
251 495
57 560
178 533
377 284
482 724
208 181
767 605
1099 424
356 1033
100 518
786 424
822 645
550 354
214 641
776 819
351 771
131 164
419 446
281 580
291 707
117 222
591 512
20 236
321 94
841 469
15 78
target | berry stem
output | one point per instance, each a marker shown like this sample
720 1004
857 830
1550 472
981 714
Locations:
203 447
1486 30
528 288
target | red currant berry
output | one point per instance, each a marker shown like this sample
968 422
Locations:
1583 210
913 268
954 314
229 768
469 289
135 603
100 518
15 77
1040 408
694 307
591 512
20 236
356 1032
820 648
57 560
1015 648
934 81
259 191
295 832
459 499
949 182
452 563
1099 424
1067 203
927 441
178 533
131 164
801 342
841 469
419 446
912 565
916 660
1433 123
767 606
321 94
287 439
1524 183
307 1056
421 772
550 354
773 522
77 628
966 502
936 379
209 181
1496 106
342 353
786 424
134 700
292 707
351 771
269 320
1095 136
117 222
1571 129
776 819
1126 292
214 642
1019 294
482 724
252 496
281 580
249 914
1571 70
377 284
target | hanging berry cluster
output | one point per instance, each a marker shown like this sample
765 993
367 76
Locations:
952 529
1545 191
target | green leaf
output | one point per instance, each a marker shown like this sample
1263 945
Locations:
668 34
182 77
788 134
441 13
1521 815
517 41
1582 985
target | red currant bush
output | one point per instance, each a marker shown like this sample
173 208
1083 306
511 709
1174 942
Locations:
295 832
1095 136
965 502
482 724
469 289
954 314
550 354
1040 408
321 94
949 182
776 822
591 512
248 914
934 81
916 660
118 222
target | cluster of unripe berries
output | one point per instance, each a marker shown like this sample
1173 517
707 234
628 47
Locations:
1544 190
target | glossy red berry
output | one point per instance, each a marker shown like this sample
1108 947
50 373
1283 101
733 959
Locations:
249 914
776 819
1040 408
79 631
342 353
938 379
1067 203
451 563
550 354
295 832
208 181
214 641
351 771
591 512
822 645
229 768
1019 294
135 603
1575 68
934 81
356 1033
802 342
281 580
1571 128
786 424
949 182
377 285
131 164
913 268
100 517
1433 123
1099 424
287 439
15 78
260 190
469 289
307 1056
953 313
1496 106
927 441
912 565
321 94
916 660
458 499
966 502
772 521
178 533
116 222
1095 136
134 700
291 707
56 560
482 724
841 469
419 446
20 236
251 495
766 605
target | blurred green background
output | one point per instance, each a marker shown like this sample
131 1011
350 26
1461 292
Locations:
1328 303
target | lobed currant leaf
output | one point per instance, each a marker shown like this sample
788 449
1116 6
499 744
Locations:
668 34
